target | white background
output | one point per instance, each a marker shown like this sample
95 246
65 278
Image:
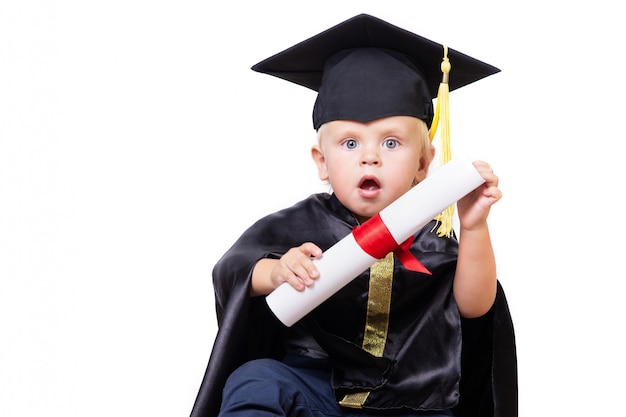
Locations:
136 145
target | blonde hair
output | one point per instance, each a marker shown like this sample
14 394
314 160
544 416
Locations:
426 142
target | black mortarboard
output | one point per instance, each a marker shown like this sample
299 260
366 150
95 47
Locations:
365 68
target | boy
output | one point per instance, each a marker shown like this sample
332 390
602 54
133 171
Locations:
392 341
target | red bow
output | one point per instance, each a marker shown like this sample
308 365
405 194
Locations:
376 240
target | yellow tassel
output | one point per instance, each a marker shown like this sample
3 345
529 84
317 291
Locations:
442 117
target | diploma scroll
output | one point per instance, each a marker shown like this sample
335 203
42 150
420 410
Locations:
345 260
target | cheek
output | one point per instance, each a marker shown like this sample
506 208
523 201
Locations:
408 174
339 176
335 166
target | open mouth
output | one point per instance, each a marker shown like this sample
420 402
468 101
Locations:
369 184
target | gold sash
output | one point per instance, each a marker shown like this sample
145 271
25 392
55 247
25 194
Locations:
377 320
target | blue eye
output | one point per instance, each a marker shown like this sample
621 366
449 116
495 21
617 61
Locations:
350 144
390 143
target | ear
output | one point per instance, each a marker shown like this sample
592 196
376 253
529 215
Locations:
318 157
424 165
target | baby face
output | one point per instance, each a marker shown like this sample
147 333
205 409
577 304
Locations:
369 165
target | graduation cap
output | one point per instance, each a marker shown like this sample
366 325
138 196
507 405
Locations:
365 68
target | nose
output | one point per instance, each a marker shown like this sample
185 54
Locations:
370 157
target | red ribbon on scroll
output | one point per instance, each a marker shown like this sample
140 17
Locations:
377 241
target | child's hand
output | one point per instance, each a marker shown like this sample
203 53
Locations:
296 267
474 208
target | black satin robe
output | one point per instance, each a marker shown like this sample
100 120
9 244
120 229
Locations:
470 363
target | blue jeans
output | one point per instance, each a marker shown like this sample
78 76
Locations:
296 387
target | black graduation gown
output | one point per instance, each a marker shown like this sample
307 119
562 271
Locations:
248 329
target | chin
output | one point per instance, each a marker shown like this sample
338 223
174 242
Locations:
363 217
363 212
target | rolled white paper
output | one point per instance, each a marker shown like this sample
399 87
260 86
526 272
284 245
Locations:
345 260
